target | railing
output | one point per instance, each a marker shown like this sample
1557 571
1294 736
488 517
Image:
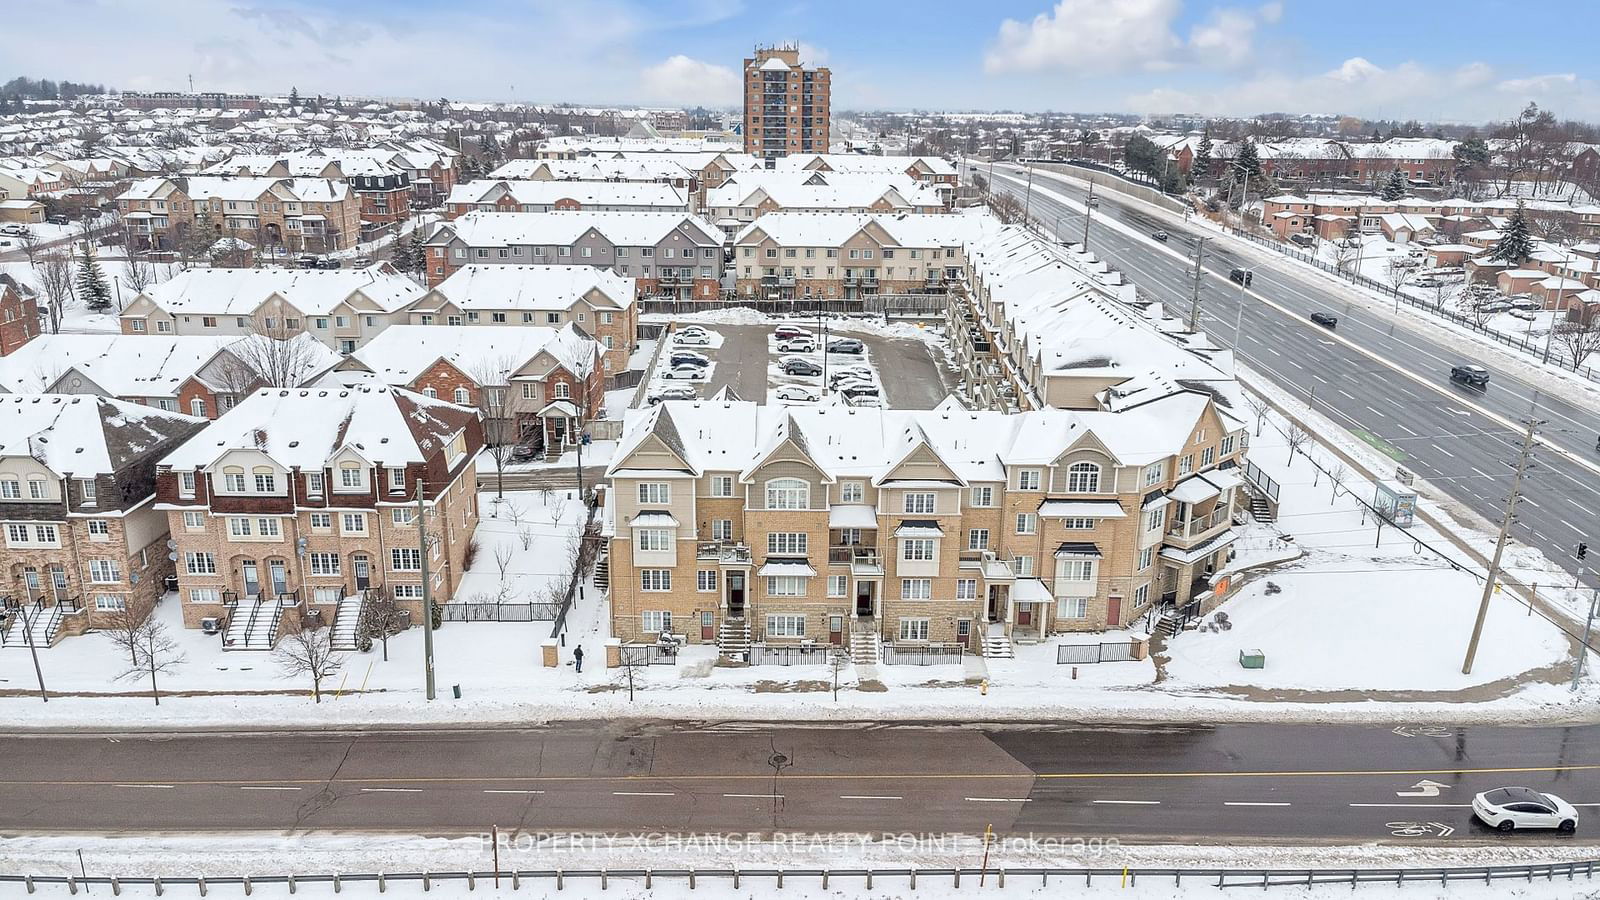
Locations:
1081 654
1261 480
922 654
472 611
723 551
288 598
790 654
1190 527
649 655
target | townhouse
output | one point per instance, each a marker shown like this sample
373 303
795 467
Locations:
934 172
788 256
910 528
550 196
83 540
667 254
19 315
299 501
383 188
342 308
312 215
533 385
1334 215
748 195
598 301
637 169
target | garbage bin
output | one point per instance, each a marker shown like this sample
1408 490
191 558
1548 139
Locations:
456 689
1252 659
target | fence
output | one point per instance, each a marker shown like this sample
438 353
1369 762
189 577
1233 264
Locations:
649 655
473 611
1081 654
1538 349
930 655
1262 481
991 878
877 304
790 654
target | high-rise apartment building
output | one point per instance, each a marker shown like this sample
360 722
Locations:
785 104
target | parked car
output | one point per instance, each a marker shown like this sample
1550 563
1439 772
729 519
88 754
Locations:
523 453
330 263
795 393
14 229
846 373
692 329
857 389
1477 376
361 262
688 358
1510 808
1425 281
307 261
676 392
797 345
686 373
1243 276
1325 319
1303 238
801 367
692 339
789 331
846 345
864 401
1159 235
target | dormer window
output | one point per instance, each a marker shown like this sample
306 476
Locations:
266 480
397 480
314 484
10 489
350 477
38 488
186 484
87 491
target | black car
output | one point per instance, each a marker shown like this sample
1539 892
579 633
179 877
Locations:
1476 376
1243 276
330 264
689 359
1327 320
846 345
801 367
308 262
523 453
1159 235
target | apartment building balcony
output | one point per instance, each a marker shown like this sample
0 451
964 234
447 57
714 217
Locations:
727 553
1191 533
785 281
668 276
863 560
987 563
851 278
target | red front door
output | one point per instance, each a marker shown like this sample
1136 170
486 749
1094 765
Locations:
1024 614
1114 612
708 630
836 630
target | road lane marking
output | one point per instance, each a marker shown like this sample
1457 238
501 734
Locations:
164 787
509 791
646 794
1128 802
1254 803
867 797
1411 805
391 790
755 796
267 787
1000 799
1443 450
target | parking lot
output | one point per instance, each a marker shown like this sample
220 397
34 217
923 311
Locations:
906 372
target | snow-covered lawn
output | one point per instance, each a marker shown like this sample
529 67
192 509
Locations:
530 532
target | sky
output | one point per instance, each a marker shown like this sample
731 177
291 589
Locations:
1440 60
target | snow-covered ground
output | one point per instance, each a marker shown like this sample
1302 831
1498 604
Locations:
529 533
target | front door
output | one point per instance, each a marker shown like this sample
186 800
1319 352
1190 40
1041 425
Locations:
836 630
363 578
736 594
30 578
252 580
1114 612
1024 615
864 599
708 629
280 577
997 606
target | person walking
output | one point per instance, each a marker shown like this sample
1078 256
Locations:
577 658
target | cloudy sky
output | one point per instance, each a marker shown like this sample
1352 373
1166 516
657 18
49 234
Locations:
1429 59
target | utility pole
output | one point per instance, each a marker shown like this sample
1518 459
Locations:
1583 648
1027 198
1088 211
21 612
1199 272
427 592
1524 459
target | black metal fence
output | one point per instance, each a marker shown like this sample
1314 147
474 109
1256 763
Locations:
1080 654
790 654
472 611
922 655
649 655
990 878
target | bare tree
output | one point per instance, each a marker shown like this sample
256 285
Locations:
1337 474
1580 337
1441 289
1258 406
151 651
838 661
631 664
1396 274
270 355
500 432
55 282
307 650
1297 438
138 274
502 560
381 616
525 534
31 246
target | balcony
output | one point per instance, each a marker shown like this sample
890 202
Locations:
727 553
863 560
1186 533
785 281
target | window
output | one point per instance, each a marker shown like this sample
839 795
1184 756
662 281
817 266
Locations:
200 563
1083 478
785 625
851 492
786 543
10 489
269 528
463 396
913 629
917 549
657 621
109 602
916 589
705 580
1141 595
407 591
322 521
653 540
1028 480
655 579
788 493
402 515
919 502
722 529
87 491
838 585
266 482
104 571
786 586
1154 472
722 485
983 496
978 539
1077 524
1186 464
17 534
405 559
194 521
233 481
1022 566
1147 557
1072 608
1076 570
1027 523
1227 445
1208 456
350 476
325 564
314 484
1155 518
38 489
205 595
238 527
655 492
353 523
966 588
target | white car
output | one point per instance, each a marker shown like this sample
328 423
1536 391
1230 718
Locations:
796 394
1511 808
692 338
797 345
686 373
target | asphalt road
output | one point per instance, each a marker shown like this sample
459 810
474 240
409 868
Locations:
1386 383
1263 783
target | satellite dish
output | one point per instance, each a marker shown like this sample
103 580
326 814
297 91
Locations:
172 545
133 578
173 557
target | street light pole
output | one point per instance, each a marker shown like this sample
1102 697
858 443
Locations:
1238 319
1088 211
1194 305
1550 332
1489 583
427 592
1027 198
27 631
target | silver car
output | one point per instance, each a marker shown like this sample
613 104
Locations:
1510 808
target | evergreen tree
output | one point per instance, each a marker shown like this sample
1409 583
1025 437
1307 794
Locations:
401 255
92 288
294 98
1516 243
1202 156
1248 162
1395 188
419 253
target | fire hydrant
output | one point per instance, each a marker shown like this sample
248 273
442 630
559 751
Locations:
983 687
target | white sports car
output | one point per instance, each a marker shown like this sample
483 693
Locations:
1510 808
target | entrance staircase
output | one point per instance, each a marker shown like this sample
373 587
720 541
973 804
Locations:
602 571
1261 510
866 648
347 621
253 627
733 639
995 641
35 623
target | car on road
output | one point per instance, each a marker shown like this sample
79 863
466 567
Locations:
1511 808
1325 319
789 331
1159 235
797 345
800 367
1243 276
692 339
688 358
796 394
686 373
307 261
846 345
1094 202
1473 375
677 392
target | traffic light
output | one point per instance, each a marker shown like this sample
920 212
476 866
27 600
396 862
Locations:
1583 550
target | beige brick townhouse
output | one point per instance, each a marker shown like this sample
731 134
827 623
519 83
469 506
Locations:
311 215
299 501
83 539
945 526
792 255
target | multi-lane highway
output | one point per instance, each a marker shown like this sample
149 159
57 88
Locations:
1264 783
1386 381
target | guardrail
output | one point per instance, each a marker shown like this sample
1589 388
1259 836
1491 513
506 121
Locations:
959 877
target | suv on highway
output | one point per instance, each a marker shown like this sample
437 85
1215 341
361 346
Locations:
1476 376
1325 319
1243 276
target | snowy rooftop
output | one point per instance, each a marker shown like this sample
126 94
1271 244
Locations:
486 353
628 229
239 292
532 287
84 435
586 193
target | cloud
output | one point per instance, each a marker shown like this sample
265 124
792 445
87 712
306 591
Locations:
690 82
1539 84
1271 12
1087 35
1226 38
812 55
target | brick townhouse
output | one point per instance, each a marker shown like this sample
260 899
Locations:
597 300
383 188
792 255
310 215
342 308
19 315
934 172
748 195
1332 216
943 526
551 196
83 540
533 385
299 501
668 254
